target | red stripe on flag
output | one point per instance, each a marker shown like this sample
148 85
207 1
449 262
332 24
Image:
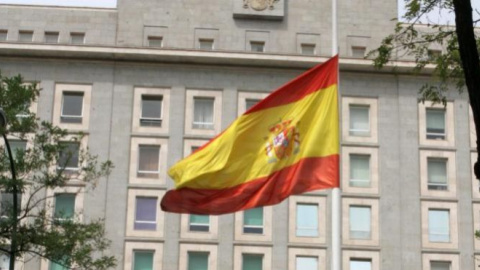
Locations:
306 175
317 78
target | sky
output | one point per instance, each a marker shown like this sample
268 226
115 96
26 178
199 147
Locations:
435 17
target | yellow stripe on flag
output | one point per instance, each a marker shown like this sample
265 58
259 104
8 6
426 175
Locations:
243 146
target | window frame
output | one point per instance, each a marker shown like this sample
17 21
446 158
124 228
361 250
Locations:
243 96
266 236
374 221
449 124
25 32
371 102
135 143
321 202
373 256
429 257
347 151
60 88
238 252
131 208
320 253
200 40
51 33
453 226
77 34
137 110
257 44
450 156
156 39
189 111
79 200
4 32
185 248
131 247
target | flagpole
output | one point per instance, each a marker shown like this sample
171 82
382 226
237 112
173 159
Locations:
336 222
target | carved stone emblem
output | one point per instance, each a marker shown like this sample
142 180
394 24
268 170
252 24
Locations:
259 5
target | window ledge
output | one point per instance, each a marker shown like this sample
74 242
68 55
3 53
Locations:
149 135
437 148
147 186
365 144
438 199
144 239
362 248
255 244
441 251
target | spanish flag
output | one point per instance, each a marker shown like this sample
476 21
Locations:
286 144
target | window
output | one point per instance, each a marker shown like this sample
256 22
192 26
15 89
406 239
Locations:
64 206
56 266
199 223
438 265
142 255
77 38
249 103
145 213
359 120
148 161
359 170
257 46
3 35
438 225
306 263
247 100
72 107
308 49
358 52
205 44
143 260
68 158
151 111
253 220
156 42
198 260
437 174
7 204
436 124
4 261
51 37
252 261
432 55
360 222
203 113
360 264
17 147
25 36
307 220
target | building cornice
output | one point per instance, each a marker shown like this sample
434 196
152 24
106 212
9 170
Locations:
186 56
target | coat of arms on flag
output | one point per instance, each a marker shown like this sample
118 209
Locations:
283 141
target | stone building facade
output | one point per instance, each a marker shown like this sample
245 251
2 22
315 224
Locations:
138 77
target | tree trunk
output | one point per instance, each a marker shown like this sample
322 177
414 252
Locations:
470 63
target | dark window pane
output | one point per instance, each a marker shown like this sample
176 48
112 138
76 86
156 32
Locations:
64 205
145 213
68 158
72 106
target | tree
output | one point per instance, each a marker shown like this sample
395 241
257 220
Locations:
457 64
33 226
